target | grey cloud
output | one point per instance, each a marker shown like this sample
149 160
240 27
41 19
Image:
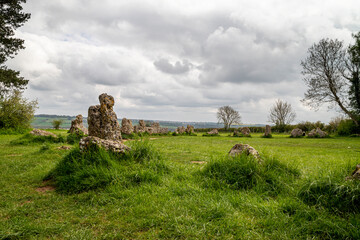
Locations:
177 68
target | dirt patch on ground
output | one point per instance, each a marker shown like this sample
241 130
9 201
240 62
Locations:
14 155
46 187
198 162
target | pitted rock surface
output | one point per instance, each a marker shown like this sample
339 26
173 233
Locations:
317 133
213 132
245 131
267 130
238 149
77 125
126 126
102 120
38 132
189 129
297 132
180 130
141 127
111 145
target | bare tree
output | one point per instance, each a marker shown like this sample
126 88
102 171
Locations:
281 113
324 74
227 115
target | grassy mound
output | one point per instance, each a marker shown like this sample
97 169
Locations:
245 172
97 168
332 192
29 139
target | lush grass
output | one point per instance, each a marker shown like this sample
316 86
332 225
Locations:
178 196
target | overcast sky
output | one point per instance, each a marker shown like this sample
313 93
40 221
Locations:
178 59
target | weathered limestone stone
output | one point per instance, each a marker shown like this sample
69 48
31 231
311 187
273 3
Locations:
297 132
150 130
126 126
77 125
213 132
102 120
189 129
141 127
111 145
164 131
244 149
317 133
38 132
245 131
155 127
267 131
180 130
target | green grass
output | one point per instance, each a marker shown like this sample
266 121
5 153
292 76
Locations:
190 191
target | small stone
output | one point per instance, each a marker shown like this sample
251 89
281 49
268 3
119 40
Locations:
317 133
110 145
213 132
189 129
77 126
38 132
180 130
244 149
297 132
355 175
245 131
126 126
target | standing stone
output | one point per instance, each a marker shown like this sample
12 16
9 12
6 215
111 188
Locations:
267 131
126 126
141 127
155 127
102 120
77 125
297 132
245 131
180 130
189 129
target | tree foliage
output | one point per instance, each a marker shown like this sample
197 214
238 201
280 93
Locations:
56 123
16 112
281 113
11 18
228 116
331 73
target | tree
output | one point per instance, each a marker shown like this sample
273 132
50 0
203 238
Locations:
281 114
56 123
353 67
11 18
227 115
16 112
325 71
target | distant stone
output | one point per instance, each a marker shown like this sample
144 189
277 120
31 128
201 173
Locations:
38 132
180 130
267 131
239 149
297 132
141 127
64 148
189 129
77 126
245 131
110 145
213 132
126 126
102 120
317 133
155 128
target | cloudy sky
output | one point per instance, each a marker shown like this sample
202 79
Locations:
179 59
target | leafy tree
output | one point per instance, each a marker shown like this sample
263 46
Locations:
281 114
331 74
353 67
56 123
11 18
16 112
227 115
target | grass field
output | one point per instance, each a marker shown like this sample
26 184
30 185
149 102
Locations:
186 202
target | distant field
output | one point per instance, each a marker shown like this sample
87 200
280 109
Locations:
183 204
